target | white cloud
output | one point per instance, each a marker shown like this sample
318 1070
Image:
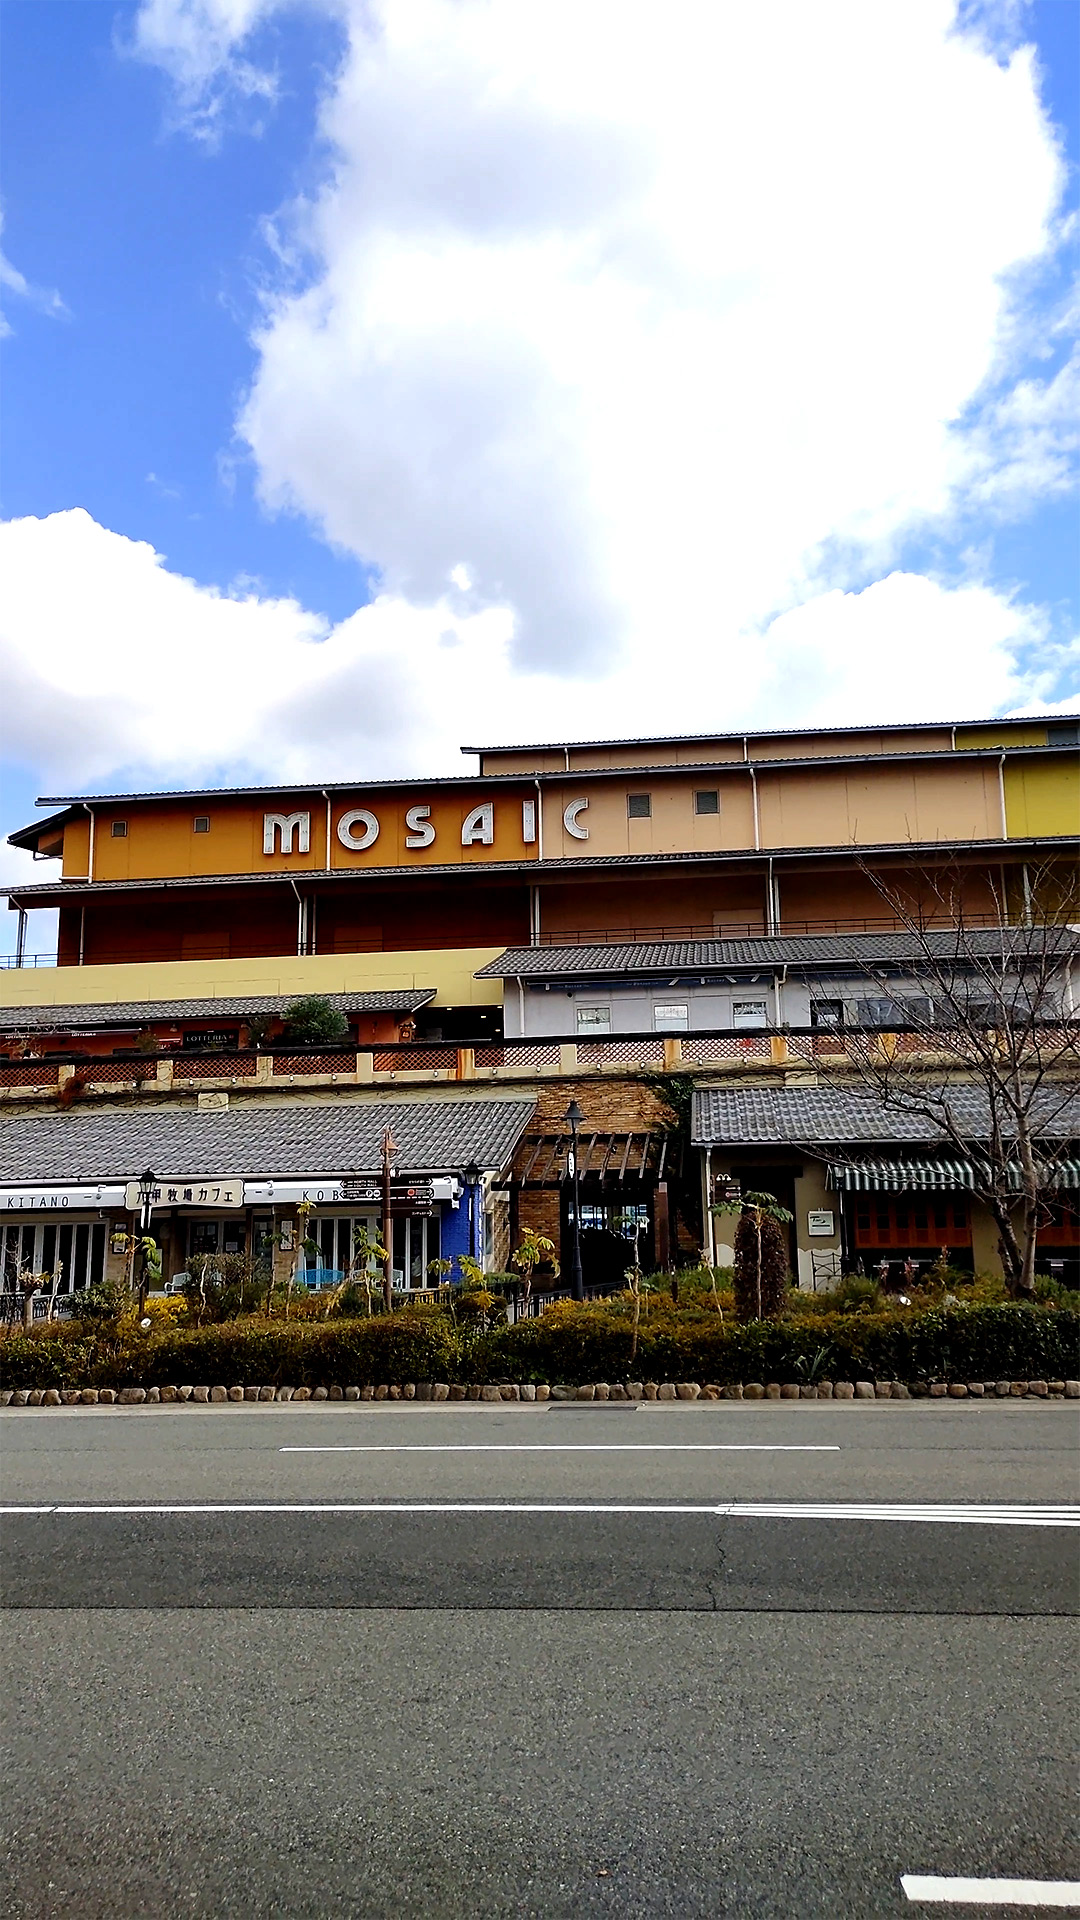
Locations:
45 299
642 329
197 41
116 668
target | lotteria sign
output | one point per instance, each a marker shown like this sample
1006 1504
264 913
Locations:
358 828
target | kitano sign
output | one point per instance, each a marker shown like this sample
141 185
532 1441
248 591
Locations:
59 1199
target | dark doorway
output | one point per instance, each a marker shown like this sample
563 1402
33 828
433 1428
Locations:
609 1223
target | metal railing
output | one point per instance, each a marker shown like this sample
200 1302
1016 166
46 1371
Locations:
752 929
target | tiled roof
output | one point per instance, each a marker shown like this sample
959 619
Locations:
779 950
820 1118
280 1142
129 1013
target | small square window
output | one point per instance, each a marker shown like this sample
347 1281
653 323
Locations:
707 801
748 1013
827 1013
639 806
202 823
673 1017
119 829
594 1019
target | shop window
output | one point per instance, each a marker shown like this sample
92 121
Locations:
747 1014
201 823
674 1017
639 806
416 1241
924 1221
592 1021
71 1252
119 829
707 801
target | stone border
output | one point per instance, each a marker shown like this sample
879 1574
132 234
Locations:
634 1390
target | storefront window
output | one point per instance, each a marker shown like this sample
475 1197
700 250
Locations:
73 1249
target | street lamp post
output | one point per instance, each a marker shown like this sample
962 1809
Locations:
472 1175
574 1118
147 1183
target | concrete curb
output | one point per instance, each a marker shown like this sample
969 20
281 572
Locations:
427 1391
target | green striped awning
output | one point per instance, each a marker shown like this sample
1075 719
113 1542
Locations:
932 1176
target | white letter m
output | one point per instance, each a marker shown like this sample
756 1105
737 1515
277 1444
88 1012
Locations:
282 826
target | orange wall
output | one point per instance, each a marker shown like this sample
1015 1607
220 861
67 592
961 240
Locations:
875 801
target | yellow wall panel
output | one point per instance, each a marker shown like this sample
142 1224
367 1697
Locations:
449 970
1043 797
1004 733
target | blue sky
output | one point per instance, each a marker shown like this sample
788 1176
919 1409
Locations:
379 377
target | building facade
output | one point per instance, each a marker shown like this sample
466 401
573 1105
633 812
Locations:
581 920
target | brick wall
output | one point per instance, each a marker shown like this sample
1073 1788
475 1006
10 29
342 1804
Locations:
609 1106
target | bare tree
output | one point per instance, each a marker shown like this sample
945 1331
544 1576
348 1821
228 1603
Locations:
975 1031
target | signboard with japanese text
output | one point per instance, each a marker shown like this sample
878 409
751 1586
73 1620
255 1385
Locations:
186 1192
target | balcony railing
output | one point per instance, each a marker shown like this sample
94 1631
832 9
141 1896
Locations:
752 929
71 1076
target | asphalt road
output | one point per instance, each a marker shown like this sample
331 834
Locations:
482 1661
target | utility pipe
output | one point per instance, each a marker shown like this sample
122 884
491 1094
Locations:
326 797
301 919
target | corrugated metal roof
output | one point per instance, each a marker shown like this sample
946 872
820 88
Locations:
778 950
139 1012
297 1141
822 1118
783 733
69 892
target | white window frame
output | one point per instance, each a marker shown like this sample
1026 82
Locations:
72 1279
759 1009
592 1029
671 1016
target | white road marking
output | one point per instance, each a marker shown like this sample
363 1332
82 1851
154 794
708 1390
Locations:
590 1446
992 1893
954 1516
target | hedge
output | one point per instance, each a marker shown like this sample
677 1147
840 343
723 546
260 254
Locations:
965 1343
411 1345
569 1345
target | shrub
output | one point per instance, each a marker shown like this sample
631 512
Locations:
314 1022
761 1266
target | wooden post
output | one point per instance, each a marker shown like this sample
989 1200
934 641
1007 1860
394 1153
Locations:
662 1225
